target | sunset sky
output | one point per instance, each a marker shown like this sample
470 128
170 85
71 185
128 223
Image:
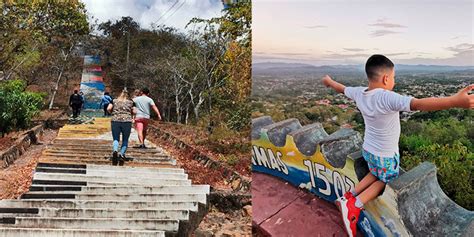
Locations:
347 32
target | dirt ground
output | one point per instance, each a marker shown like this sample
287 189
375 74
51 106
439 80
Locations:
16 179
232 224
52 114
198 173
6 142
196 137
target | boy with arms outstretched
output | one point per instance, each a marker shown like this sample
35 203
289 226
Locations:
380 108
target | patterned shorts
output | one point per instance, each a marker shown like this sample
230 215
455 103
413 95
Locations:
384 168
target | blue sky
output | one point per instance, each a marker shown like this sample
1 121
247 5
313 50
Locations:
323 32
176 13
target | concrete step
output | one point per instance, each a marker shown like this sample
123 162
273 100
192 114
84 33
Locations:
104 204
193 189
106 157
52 183
99 148
44 232
85 177
105 160
105 196
110 173
178 214
94 167
107 153
106 144
56 183
123 182
94 223
87 141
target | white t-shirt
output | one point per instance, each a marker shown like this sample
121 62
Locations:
143 104
380 109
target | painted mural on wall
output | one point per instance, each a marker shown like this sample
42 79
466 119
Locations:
92 84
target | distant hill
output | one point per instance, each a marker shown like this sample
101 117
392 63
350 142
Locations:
302 68
432 68
272 67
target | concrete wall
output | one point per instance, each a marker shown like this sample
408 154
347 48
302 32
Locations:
9 155
329 165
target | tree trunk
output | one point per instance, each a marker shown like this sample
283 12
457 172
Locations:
187 115
56 88
198 105
178 108
59 77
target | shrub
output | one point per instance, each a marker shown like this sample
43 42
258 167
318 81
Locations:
17 106
232 159
446 139
455 169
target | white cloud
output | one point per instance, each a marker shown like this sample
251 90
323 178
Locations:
378 33
146 12
383 22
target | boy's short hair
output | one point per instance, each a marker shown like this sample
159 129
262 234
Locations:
75 91
145 90
106 93
376 63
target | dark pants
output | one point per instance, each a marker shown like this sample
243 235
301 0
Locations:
76 110
124 128
105 110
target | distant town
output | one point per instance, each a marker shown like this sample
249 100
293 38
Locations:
295 90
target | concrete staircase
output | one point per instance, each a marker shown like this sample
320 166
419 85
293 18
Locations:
77 192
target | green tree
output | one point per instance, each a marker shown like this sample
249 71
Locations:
455 169
28 27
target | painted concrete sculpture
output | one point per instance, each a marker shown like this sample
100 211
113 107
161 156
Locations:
329 165
92 84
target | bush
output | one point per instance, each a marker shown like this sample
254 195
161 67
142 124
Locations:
455 169
17 106
448 143
238 118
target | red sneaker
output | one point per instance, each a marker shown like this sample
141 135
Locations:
350 214
348 195
345 197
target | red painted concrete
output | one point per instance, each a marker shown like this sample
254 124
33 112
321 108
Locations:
280 209
269 195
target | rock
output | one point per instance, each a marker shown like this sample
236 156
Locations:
236 184
228 233
202 233
248 210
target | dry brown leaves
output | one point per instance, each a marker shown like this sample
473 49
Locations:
6 142
198 173
190 135
15 180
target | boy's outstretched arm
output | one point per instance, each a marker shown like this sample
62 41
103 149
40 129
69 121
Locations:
329 82
462 99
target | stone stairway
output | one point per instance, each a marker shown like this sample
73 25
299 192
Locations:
77 192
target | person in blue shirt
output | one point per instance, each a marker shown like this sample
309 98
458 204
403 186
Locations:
104 103
83 100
